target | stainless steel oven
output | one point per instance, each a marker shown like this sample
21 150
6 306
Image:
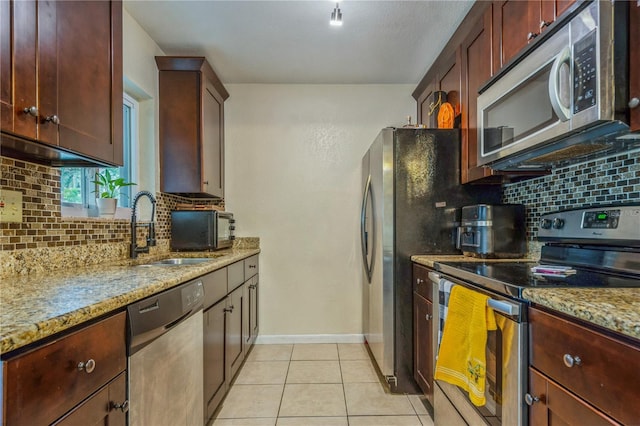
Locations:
506 354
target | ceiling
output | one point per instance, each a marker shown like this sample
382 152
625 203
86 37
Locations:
291 42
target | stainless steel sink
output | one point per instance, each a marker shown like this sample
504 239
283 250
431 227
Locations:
177 261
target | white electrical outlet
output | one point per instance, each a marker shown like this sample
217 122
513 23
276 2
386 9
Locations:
10 206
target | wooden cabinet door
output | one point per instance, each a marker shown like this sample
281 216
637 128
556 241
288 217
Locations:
634 63
513 23
253 310
106 407
424 101
476 70
233 338
557 406
215 379
213 141
423 344
18 68
80 77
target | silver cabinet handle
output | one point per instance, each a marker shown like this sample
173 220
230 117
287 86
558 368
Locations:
52 119
428 317
530 399
570 361
88 366
206 182
122 407
544 24
531 36
32 111
419 280
633 103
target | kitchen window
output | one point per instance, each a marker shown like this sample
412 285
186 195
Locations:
77 190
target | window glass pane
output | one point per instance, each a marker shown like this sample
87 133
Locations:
72 183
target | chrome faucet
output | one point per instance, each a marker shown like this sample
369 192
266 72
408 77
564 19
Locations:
151 236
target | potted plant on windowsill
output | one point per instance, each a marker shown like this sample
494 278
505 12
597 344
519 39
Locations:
108 189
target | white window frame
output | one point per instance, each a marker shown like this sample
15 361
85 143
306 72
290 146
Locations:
88 206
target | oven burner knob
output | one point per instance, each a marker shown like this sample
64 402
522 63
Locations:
545 224
558 223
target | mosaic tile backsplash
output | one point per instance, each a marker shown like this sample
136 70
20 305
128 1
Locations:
45 231
614 179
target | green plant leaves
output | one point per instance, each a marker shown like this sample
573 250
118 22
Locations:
109 185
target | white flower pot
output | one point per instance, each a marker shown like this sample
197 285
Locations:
107 207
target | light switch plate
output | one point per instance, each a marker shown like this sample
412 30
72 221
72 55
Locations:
10 206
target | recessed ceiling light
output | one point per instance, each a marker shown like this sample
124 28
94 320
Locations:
336 16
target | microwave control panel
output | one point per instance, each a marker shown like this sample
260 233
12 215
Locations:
585 76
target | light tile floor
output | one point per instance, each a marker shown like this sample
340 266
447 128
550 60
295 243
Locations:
315 384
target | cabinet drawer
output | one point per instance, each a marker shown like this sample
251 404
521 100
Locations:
421 282
607 374
250 267
215 286
235 275
46 382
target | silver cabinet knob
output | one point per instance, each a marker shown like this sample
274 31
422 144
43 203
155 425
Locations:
32 111
88 366
634 102
530 399
122 406
531 36
544 24
570 361
428 317
52 119
419 280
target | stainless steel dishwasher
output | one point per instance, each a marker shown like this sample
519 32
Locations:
165 358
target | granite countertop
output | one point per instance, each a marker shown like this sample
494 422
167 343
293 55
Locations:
430 259
36 306
616 309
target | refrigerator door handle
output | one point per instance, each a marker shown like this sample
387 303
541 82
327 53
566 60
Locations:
364 235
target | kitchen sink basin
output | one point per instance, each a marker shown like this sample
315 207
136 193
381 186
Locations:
177 261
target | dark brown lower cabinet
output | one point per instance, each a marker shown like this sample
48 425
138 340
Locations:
554 405
423 359
234 354
215 377
106 407
423 356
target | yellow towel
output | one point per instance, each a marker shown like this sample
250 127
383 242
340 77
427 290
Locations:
462 357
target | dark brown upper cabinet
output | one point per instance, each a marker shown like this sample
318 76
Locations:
191 127
517 23
61 81
634 66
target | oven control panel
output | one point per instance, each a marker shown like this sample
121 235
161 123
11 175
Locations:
611 225
602 219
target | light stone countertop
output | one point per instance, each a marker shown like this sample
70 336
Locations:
616 309
36 306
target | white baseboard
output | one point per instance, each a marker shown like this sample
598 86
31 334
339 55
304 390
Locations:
308 338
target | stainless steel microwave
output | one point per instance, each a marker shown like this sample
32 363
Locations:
201 230
565 99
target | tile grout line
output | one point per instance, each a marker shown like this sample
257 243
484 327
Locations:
284 385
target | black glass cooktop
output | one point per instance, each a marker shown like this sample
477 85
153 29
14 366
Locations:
512 277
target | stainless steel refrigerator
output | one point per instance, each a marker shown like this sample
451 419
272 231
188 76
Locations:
410 204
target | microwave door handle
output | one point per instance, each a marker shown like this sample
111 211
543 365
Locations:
562 111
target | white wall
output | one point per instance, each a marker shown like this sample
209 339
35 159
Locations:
141 82
293 171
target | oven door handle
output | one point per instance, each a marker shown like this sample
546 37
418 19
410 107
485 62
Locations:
503 307
500 306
